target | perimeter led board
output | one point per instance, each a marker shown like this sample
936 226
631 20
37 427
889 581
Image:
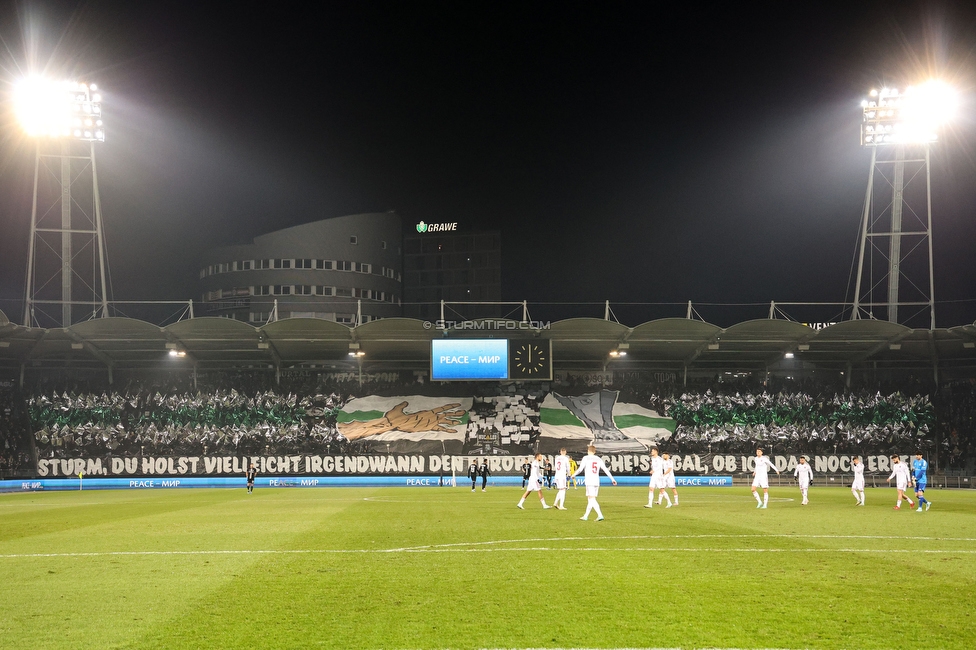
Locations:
467 359
488 359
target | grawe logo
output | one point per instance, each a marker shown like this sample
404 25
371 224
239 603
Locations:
436 227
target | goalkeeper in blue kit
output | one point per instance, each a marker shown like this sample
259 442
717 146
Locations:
920 467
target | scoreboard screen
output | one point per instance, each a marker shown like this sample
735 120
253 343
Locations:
488 359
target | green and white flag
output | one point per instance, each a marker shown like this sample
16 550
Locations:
599 416
411 417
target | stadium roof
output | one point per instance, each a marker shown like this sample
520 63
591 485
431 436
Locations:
404 342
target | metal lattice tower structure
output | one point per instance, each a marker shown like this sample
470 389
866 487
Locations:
895 261
66 265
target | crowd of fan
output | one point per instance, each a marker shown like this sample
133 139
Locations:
142 422
956 404
850 423
14 443
240 413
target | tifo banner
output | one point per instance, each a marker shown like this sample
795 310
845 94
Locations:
383 421
408 465
614 426
411 418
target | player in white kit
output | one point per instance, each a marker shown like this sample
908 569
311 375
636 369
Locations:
669 481
561 468
657 480
902 476
535 483
857 487
762 478
803 474
591 465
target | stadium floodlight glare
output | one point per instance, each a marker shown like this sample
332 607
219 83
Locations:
59 109
912 116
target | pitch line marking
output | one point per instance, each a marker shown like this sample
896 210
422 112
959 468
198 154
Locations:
474 547
547 549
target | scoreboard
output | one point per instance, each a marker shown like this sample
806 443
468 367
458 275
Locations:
490 359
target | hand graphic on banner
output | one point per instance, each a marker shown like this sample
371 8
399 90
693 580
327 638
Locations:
442 418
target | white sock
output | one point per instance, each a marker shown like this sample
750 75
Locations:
596 506
521 502
862 497
589 507
804 493
666 497
675 498
898 505
650 498
659 497
758 498
854 492
765 499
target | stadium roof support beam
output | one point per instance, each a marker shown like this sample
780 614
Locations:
95 352
881 346
789 348
172 338
268 344
701 350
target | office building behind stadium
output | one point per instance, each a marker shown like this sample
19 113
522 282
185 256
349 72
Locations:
345 269
445 262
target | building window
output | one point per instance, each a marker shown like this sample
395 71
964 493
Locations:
203 273
245 265
303 290
282 264
264 264
345 319
354 239
362 267
342 292
283 289
303 264
324 291
383 245
263 290
344 266
323 265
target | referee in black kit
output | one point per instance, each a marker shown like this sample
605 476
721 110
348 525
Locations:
250 474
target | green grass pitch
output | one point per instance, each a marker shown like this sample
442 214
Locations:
448 568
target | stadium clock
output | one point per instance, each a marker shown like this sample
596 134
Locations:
530 360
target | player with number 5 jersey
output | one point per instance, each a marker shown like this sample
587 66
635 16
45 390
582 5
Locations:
591 465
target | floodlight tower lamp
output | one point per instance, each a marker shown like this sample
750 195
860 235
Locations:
63 112
894 120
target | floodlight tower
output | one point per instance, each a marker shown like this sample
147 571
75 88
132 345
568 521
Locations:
65 120
899 128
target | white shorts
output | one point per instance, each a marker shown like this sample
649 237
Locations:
657 482
534 486
669 482
592 490
902 485
804 484
858 484
560 482
760 483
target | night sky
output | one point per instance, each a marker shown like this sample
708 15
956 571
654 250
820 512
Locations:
636 152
